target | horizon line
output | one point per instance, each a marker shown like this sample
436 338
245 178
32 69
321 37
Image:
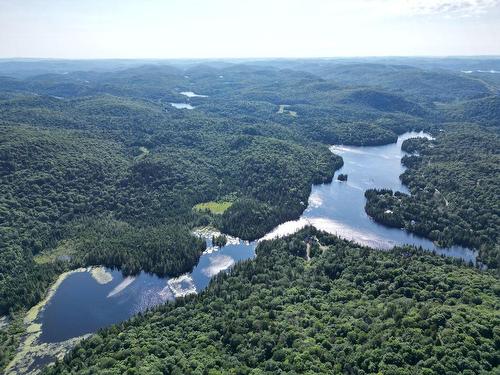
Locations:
253 58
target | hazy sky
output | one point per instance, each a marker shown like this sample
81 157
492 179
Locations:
247 28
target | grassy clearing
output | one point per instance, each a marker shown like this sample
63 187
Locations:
216 208
63 251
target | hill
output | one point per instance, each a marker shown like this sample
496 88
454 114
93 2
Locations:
440 86
484 111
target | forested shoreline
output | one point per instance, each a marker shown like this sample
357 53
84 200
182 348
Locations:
455 186
98 168
93 184
348 309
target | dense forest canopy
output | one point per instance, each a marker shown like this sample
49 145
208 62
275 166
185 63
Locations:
92 146
146 170
97 167
348 310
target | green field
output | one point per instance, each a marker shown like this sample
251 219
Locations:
217 208
61 252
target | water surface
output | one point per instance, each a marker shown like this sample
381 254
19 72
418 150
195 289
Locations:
82 304
339 207
191 94
182 105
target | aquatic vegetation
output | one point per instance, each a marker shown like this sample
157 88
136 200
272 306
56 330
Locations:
101 275
216 238
30 348
350 309
206 232
109 175
32 313
32 351
125 212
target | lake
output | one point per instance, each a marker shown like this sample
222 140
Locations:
82 304
182 105
94 298
191 94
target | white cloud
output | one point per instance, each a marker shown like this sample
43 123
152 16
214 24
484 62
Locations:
125 283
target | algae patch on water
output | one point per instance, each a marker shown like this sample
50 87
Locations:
217 208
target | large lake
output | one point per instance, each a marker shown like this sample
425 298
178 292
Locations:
85 302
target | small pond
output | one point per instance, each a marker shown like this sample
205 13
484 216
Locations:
182 105
191 94
86 301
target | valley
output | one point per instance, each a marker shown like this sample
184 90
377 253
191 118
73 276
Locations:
123 194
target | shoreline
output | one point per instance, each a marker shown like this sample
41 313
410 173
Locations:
29 349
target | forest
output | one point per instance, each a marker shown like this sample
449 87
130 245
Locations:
98 168
349 309
60 184
455 186
94 147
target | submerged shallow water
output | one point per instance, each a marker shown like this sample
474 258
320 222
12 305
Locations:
84 303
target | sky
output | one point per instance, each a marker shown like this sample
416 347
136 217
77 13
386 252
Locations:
247 28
